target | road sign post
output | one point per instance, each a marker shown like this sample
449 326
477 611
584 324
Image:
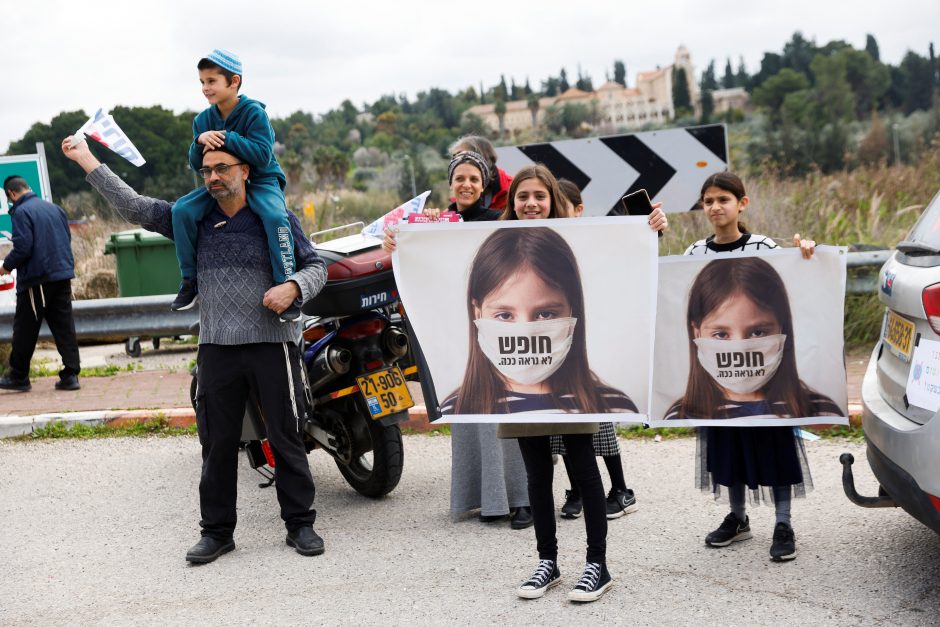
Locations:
33 168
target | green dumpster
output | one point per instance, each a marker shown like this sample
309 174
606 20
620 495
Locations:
146 263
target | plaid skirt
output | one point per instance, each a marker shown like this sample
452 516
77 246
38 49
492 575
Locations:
605 442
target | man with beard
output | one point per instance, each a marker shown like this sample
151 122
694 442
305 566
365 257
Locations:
242 344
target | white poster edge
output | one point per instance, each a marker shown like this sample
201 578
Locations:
751 421
621 417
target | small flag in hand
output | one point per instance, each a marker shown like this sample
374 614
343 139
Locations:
103 129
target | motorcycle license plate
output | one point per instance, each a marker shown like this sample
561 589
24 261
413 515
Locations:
385 392
898 333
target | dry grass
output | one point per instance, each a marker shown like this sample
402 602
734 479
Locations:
872 206
95 272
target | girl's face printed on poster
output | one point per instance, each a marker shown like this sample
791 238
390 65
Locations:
524 327
433 269
742 348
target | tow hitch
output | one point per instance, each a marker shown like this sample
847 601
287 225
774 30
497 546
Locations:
848 485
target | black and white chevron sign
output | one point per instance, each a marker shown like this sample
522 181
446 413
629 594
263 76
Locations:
670 165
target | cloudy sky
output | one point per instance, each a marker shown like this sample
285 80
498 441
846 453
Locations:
61 55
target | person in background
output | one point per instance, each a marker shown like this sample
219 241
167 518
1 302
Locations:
495 193
42 258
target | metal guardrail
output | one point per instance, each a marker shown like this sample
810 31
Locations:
117 319
863 270
150 316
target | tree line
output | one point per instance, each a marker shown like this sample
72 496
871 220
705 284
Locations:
815 107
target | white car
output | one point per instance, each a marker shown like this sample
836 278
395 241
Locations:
899 395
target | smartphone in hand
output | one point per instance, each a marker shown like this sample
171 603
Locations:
638 203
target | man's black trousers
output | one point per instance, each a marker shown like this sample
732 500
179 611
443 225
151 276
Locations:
51 302
225 375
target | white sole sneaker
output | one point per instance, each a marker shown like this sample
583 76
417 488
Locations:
623 512
536 593
744 535
784 558
578 596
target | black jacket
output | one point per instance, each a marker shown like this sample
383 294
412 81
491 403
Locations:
42 243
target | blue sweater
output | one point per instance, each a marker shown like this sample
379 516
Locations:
248 134
42 243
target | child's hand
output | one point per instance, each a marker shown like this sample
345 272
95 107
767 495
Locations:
657 219
806 246
388 242
211 140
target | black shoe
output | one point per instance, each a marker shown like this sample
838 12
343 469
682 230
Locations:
187 296
306 541
522 518
208 549
572 506
784 544
68 383
620 502
493 518
594 582
546 576
20 385
292 313
730 530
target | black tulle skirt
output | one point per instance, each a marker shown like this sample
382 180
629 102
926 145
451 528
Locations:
759 457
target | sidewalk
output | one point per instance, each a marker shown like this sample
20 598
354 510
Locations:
150 394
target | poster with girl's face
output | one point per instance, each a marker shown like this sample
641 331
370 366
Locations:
750 340
535 320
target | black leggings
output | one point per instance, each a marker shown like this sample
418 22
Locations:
614 469
537 455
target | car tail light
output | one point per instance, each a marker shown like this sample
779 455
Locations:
374 365
931 299
935 501
359 330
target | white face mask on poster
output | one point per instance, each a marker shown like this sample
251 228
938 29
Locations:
741 366
526 352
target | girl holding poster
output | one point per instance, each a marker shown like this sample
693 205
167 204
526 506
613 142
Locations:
738 303
525 283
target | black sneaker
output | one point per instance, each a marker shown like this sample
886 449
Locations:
783 547
594 582
292 313
730 530
187 296
19 385
572 506
620 502
546 576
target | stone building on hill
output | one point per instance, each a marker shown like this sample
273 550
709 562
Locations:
612 105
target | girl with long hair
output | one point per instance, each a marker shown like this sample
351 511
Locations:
743 303
529 279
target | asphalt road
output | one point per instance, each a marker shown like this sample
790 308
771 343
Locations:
94 532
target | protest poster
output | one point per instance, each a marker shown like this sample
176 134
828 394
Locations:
750 340
535 320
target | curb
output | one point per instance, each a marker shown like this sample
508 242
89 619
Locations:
14 426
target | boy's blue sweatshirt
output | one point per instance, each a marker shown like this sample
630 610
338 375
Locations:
248 134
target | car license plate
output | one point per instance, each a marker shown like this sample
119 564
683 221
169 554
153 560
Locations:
898 334
385 392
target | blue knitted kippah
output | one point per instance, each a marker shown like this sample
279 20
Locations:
226 60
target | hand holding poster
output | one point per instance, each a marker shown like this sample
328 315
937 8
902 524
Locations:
750 340
532 321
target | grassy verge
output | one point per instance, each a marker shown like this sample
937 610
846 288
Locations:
41 369
60 430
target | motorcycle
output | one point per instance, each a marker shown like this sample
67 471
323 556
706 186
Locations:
356 361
